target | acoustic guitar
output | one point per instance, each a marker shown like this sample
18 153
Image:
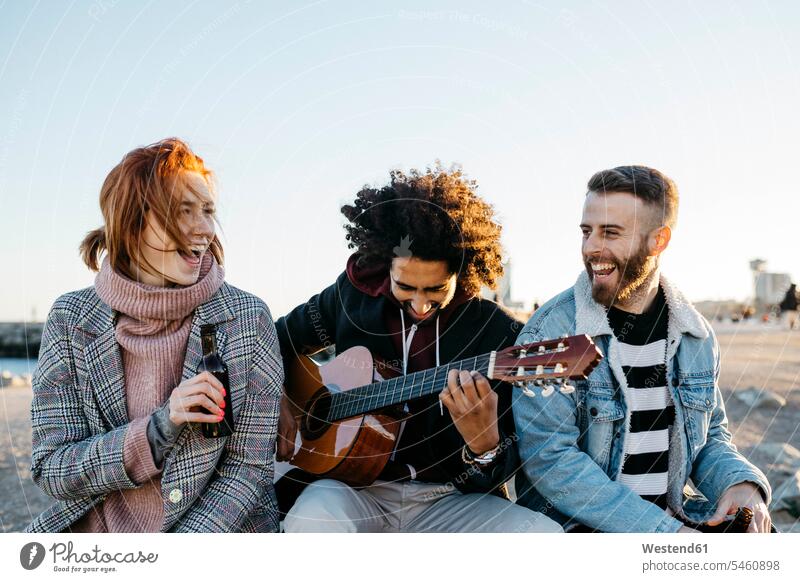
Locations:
348 425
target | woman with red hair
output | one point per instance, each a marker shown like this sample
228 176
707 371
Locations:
118 403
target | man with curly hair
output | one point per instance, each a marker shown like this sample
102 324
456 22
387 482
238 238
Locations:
424 245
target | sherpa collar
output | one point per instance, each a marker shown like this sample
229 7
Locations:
591 318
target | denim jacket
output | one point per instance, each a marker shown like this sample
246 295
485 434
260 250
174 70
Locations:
571 444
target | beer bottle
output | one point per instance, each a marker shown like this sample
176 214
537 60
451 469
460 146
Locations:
741 523
212 363
738 524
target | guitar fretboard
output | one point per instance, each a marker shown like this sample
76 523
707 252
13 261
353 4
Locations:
371 397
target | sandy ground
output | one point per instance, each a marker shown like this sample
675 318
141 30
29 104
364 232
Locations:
755 356
752 356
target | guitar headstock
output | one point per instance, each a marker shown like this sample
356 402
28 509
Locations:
547 364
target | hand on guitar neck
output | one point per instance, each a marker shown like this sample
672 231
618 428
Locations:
473 407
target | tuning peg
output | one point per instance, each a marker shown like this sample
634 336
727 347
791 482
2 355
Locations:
567 388
521 370
548 390
527 391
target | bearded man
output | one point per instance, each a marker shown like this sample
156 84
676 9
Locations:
616 454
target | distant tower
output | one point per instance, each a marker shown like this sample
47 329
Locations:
502 293
768 288
757 266
504 285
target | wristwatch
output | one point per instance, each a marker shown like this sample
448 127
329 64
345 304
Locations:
484 459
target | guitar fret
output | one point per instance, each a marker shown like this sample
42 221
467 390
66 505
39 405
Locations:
446 374
388 394
381 390
369 400
427 386
387 400
385 393
399 389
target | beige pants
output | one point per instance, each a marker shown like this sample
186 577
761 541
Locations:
408 506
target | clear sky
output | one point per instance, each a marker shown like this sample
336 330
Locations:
296 105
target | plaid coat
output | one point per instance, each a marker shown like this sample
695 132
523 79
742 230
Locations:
80 419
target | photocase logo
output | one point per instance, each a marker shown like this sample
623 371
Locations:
32 555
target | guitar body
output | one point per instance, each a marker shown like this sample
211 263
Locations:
354 450
350 437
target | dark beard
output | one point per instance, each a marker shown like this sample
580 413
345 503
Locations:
634 274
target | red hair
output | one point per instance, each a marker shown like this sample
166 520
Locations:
150 178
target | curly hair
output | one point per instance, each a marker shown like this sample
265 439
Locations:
433 215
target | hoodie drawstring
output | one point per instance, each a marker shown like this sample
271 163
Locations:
407 347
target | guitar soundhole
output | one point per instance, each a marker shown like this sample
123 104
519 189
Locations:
316 417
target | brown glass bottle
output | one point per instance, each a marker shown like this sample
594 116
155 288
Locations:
212 363
739 524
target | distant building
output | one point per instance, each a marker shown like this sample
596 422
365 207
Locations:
721 310
768 288
502 294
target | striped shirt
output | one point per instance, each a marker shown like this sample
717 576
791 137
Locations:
642 348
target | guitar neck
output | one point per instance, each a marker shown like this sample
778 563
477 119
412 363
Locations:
371 397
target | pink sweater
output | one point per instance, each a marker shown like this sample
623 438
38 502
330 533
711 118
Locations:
152 330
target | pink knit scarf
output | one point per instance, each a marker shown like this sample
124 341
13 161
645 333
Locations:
147 310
